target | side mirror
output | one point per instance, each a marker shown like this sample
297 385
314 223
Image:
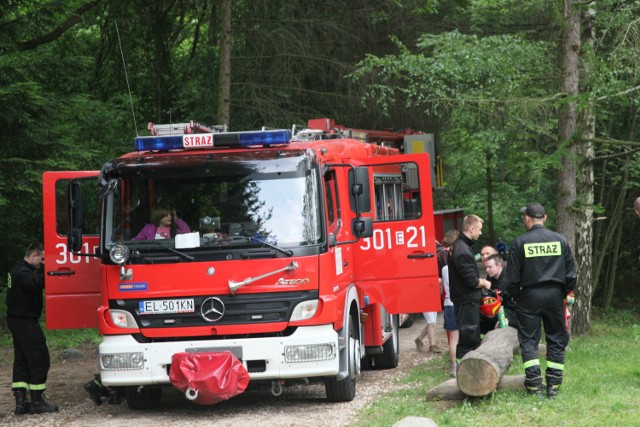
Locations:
360 194
75 205
74 241
74 238
362 227
106 189
332 240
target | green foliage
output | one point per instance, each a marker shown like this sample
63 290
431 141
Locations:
595 390
483 75
494 100
72 338
514 16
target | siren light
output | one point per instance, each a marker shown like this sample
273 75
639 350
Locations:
212 140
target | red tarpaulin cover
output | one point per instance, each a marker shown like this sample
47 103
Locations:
208 378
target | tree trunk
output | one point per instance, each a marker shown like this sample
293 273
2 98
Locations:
162 66
492 233
224 70
567 122
611 277
607 246
599 252
584 191
449 390
480 370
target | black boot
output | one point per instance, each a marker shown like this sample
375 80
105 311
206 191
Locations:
39 405
554 380
534 386
22 401
96 390
537 392
552 391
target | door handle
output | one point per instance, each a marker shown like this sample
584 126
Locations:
61 273
427 255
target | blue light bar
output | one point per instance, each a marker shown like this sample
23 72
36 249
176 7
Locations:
267 137
157 143
211 140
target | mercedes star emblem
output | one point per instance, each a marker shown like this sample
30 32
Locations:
212 309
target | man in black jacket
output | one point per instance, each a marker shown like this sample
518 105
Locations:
541 273
497 276
466 285
31 356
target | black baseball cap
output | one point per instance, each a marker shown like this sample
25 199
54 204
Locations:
534 210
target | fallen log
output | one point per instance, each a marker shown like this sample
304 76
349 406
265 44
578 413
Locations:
480 370
542 350
449 390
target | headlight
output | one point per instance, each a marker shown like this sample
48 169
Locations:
305 310
119 253
123 319
309 353
122 361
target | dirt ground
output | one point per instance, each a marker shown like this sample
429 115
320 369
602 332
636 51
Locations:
66 378
298 405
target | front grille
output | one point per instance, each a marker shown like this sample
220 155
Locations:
239 309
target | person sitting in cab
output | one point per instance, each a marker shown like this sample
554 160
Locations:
165 224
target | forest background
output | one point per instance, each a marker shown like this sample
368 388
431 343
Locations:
529 100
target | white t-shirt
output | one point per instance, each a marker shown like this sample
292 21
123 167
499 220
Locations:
445 285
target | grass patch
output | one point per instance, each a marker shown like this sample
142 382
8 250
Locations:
56 340
72 338
601 387
59 339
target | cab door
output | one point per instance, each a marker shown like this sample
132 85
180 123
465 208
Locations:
397 266
72 282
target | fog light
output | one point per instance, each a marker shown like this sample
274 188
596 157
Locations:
122 361
305 310
309 353
123 319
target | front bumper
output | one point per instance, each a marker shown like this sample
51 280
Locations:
264 358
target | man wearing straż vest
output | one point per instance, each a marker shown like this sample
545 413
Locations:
541 273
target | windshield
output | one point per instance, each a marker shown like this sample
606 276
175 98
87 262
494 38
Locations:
191 202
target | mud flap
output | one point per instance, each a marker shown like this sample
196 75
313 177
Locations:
208 378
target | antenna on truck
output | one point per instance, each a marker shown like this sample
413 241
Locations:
126 77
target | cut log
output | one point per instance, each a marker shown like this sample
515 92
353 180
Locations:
449 390
480 370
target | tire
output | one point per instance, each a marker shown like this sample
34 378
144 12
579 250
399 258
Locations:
408 323
345 390
391 348
145 398
366 362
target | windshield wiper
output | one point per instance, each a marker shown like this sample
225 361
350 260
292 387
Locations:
287 252
182 254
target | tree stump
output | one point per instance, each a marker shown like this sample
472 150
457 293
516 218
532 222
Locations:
480 370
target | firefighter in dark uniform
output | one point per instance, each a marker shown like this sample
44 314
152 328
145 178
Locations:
465 285
541 273
31 355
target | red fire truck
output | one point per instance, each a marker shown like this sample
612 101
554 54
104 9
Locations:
302 250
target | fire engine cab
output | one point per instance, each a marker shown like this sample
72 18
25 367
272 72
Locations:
294 254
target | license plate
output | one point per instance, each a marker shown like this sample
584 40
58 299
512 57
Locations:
166 306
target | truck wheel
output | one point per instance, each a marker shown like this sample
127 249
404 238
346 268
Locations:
391 348
408 323
142 397
366 363
345 390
